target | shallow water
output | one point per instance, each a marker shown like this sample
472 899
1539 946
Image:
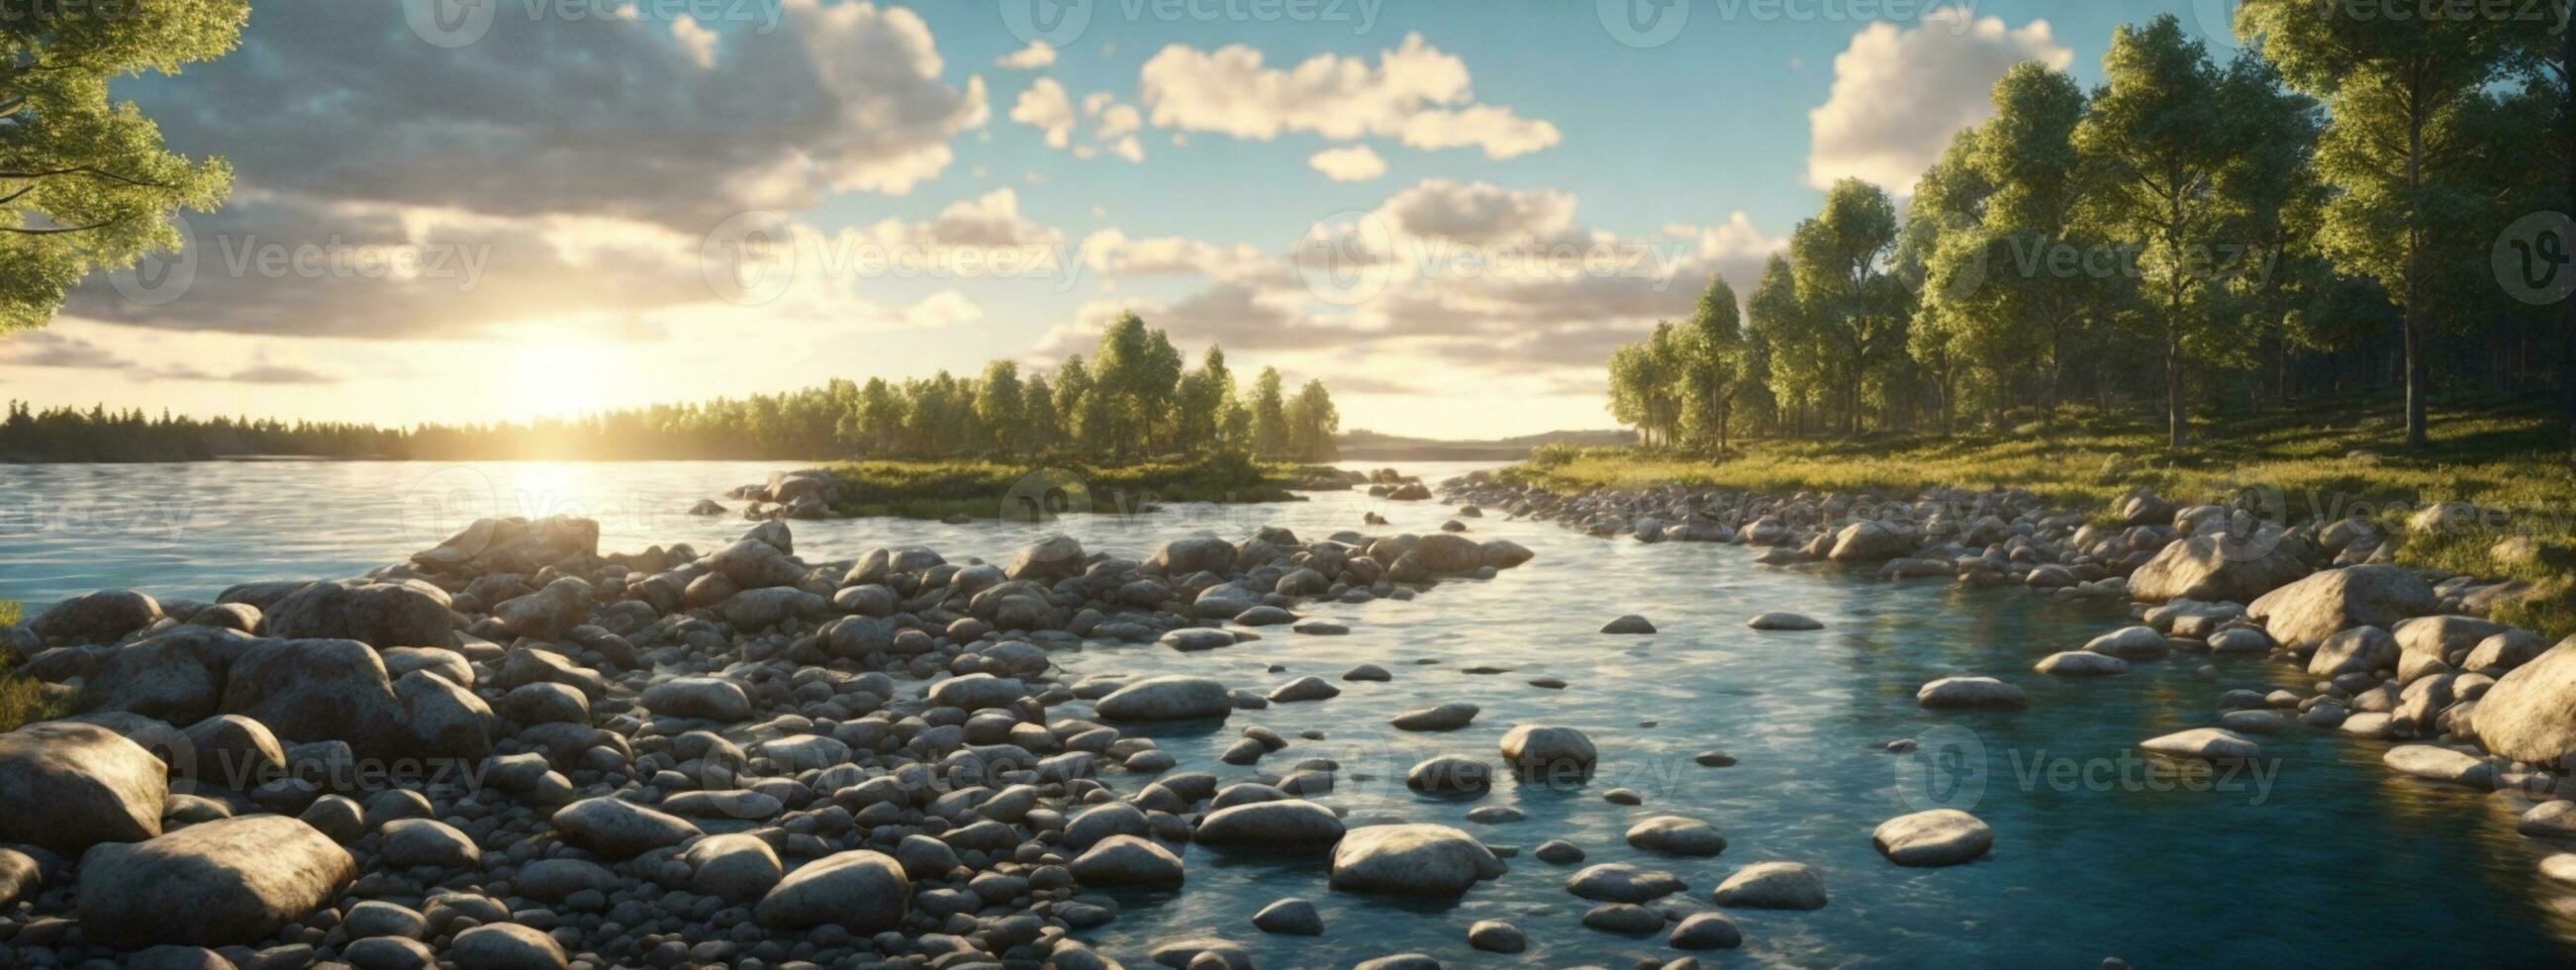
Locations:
2326 859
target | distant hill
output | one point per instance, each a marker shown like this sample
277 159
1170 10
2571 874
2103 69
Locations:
1364 445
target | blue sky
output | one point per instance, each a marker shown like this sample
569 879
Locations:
562 181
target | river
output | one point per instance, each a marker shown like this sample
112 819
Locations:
2323 857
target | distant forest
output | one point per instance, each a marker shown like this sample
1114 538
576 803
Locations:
1136 397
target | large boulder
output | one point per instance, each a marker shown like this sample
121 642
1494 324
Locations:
1173 697
1293 823
176 676
380 615
753 564
616 829
1869 541
2217 568
1546 754
67 786
2303 614
2530 713
513 545
1050 559
1181 557
863 892
231 882
100 617
317 690
1448 552
1420 860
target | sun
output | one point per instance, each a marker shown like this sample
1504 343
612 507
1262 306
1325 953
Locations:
558 379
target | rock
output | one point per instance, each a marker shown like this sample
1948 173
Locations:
2130 643
2530 713
1126 860
1304 689
1418 859
101 617
703 698
1939 837
380 615
222 883
977 692
1557 852
1965 692
2303 614
1620 882
2213 568
2441 764
1625 918
2081 663
2555 819
861 891
1446 717
1674 835
1181 557
2359 650
554 880
1367 672
1631 624
1496 936
1705 931
417 842
2203 744
616 829
1869 542
1173 697
506 946
2504 651
1783 621
1773 885
1050 559
1195 639
1552 754
736 868
1450 774
1202 953
1293 823
1289 917
1505 554
67 786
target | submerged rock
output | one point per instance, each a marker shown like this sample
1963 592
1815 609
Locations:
1773 885
1939 837
1431 860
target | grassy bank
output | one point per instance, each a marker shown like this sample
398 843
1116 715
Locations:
21 699
994 490
2313 464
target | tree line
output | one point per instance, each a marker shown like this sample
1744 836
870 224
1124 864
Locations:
2326 214
1134 398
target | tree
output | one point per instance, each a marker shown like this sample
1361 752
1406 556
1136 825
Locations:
1841 260
1779 321
1269 415
2394 89
1312 422
2014 286
1712 363
1645 384
1000 404
2162 132
85 185
1038 420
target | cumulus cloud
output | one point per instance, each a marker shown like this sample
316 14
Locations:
56 350
1047 107
1355 163
1415 93
1038 54
593 117
1899 95
1479 212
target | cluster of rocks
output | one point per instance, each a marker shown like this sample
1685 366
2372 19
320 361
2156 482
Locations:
810 493
515 751
2397 654
1387 483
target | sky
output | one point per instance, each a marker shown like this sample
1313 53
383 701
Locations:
1450 212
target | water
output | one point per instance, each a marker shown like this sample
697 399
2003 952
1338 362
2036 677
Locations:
2332 860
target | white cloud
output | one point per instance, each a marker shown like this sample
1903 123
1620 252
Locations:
1415 93
696 38
1355 163
1899 95
1038 54
991 220
1045 107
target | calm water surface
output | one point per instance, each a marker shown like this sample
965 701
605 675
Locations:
2330 860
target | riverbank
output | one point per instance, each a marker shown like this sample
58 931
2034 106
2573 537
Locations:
1022 492
2508 466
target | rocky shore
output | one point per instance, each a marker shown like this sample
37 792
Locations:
2394 655
515 751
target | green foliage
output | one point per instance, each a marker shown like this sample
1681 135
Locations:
990 489
22 699
85 184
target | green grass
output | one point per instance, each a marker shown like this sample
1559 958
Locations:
21 699
991 490
2503 457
